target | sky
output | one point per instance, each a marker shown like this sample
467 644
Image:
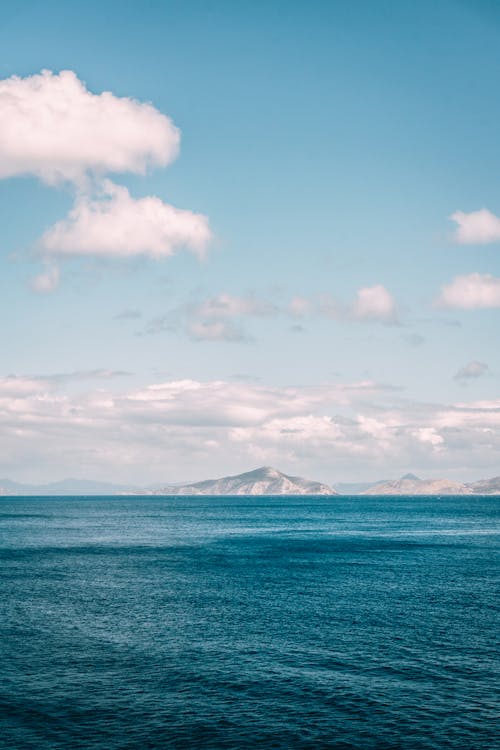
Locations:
253 233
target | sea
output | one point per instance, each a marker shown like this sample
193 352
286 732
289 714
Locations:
253 622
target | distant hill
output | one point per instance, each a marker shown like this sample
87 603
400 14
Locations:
356 488
410 484
486 486
263 481
63 487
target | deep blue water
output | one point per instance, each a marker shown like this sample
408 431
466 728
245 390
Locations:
250 623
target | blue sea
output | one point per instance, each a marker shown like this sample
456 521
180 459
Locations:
210 622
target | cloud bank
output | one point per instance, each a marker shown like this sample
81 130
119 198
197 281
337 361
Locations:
357 430
223 317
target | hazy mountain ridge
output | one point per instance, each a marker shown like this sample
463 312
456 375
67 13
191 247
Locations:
356 488
262 481
486 486
64 487
413 485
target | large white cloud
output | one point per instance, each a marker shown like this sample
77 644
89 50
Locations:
476 227
53 127
471 291
116 225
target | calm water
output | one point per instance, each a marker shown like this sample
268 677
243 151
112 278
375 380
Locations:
250 623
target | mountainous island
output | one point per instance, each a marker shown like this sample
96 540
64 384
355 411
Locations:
263 481
410 484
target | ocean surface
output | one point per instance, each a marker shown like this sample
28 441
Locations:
212 622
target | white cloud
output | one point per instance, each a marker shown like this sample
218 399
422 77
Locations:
429 435
119 226
380 430
289 434
470 418
477 227
471 371
13 386
471 291
375 303
53 127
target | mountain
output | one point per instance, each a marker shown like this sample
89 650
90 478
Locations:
486 486
263 481
412 485
356 488
63 487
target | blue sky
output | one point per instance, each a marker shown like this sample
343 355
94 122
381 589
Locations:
327 144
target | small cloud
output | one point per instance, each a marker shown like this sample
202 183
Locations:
375 303
477 227
471 371
429 435
471 292
297 329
